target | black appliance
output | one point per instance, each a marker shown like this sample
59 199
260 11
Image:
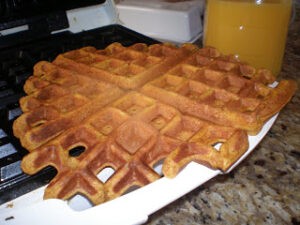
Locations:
19 51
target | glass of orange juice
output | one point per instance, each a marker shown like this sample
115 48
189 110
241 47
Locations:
253 31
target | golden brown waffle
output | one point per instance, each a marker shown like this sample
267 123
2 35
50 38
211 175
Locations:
130 108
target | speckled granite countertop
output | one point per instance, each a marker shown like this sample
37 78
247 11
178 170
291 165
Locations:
265 187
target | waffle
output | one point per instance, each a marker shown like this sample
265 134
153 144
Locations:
133 108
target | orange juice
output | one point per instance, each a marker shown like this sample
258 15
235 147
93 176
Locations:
253 30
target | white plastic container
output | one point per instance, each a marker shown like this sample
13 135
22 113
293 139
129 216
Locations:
173 21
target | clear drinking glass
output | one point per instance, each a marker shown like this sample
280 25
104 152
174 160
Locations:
253 31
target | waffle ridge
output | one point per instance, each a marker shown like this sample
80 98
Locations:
131 108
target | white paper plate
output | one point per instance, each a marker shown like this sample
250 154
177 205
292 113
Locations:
132 208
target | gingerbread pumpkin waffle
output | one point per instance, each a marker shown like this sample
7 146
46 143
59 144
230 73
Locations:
131 108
